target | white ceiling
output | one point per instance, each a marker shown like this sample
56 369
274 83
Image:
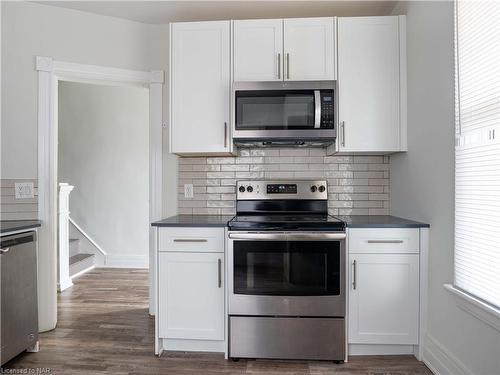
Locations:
158 12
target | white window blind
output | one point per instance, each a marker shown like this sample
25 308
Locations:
477 151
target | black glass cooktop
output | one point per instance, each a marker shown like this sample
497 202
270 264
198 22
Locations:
286 222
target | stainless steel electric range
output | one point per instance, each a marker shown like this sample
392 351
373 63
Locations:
286 273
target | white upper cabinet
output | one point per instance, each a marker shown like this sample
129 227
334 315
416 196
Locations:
371 84
297 49
200 87
309 48
258 50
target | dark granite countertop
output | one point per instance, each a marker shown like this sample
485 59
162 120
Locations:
194 221
355 221
15 225
380 221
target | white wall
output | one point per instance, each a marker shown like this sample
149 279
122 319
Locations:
104 153
422 188
30 29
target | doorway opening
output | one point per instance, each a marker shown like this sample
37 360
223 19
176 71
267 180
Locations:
103 176
52 74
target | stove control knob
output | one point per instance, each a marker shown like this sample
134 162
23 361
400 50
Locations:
313 189
249 189
321 189
241 189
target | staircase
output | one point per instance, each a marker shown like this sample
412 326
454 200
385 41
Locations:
79 262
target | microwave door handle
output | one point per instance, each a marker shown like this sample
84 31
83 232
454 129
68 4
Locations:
317 109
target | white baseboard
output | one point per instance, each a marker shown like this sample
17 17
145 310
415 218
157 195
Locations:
440 361
127 261
82 272
193 345
371 349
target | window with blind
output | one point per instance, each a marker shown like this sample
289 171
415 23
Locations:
477 151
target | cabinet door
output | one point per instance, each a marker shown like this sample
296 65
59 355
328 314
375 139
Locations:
258 50
368 84
191 296
309 47
383 299
200 87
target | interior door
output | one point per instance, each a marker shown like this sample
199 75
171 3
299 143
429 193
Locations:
383 299
368 60
258 50
191 296
309 47
200 87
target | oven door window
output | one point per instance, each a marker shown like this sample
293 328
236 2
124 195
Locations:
296 268
274 110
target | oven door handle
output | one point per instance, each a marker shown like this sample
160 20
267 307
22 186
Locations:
288 236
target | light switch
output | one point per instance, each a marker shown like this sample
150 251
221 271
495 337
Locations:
188 191
24 190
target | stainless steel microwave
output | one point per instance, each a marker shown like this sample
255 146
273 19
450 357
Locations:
284 117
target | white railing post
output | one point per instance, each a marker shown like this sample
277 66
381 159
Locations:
64 280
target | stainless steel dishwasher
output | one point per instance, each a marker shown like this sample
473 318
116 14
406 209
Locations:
18 294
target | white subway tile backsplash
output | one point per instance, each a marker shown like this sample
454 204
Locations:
357 185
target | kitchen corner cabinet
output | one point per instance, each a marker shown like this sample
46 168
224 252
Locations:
200 82
384 286
371 84
191 288
297 49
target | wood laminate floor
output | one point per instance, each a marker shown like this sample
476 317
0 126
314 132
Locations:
104 328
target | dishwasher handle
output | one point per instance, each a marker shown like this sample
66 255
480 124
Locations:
17 239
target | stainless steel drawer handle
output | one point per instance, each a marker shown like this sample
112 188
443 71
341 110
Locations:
354 275
385 241
3 251
190 240
219 272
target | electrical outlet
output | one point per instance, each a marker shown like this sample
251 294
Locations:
24 190
188 191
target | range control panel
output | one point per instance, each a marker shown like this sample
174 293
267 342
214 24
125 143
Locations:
253 190
281 188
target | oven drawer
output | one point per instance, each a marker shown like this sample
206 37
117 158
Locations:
287 338
191 239
384 240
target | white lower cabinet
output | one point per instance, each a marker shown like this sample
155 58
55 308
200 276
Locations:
384 299
384 287
192 296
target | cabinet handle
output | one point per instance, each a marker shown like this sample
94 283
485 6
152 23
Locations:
219 272
343 133
3 251
190 240
354 275
225 134
385 241
287 66
279 65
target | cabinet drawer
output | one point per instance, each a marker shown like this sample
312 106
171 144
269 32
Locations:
384 240
192 239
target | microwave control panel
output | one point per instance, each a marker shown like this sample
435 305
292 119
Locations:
327 109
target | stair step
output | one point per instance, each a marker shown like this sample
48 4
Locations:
80 262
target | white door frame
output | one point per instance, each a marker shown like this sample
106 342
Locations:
50 72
